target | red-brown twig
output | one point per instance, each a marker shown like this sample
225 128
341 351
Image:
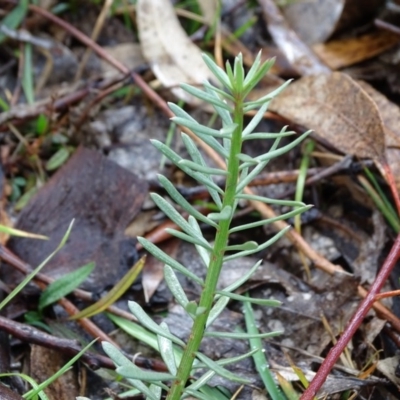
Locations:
365 305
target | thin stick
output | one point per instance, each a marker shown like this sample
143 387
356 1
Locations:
30 334
95 34
354 323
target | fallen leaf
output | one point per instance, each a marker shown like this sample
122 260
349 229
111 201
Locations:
114 294
102 197
172 56
338 110
390 114
345 52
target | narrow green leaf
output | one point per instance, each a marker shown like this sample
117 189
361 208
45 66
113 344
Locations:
259 357
30 276
218 72
142 334
42 124
174 286
193 150
263 246
282 150
244 181
246 159
267 221
255 120
64 285
251 245
200 94
203 169
238 72
254 68
181 113
57 159
197 128
258 75
268 136
166 259
156 390
179 199
242 335
211 186
114 294
241 280
203 253
221 94
230 74
268 200
238 297
230 360
134 372
174 216
17 232
120 360
14 18
147 322
220 370
167 350
222 112
250 105
198 383
28 379
217 309
189 238
27 75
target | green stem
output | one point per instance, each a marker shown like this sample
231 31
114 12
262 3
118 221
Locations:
216 261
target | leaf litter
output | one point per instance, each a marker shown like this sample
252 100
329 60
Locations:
348 114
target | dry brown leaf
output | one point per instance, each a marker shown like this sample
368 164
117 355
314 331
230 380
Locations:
338 110
345 52
390 114
171 54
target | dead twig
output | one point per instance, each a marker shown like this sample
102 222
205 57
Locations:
358 317
30 334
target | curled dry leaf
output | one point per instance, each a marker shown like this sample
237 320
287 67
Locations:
338 110
349 51
171 54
